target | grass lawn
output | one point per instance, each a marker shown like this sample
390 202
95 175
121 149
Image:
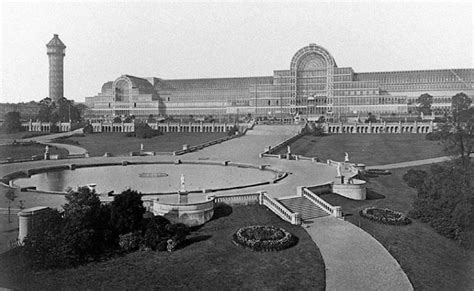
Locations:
431 261
120 145
26 151
370 149
209 261
9 137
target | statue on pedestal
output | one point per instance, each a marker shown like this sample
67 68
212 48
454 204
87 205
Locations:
46 152
339 169
183 187
141 147
346 158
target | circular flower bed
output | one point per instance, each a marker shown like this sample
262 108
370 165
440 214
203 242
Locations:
264 238
385 216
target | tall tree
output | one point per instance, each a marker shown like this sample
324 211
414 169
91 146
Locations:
425 101
459 103
457 133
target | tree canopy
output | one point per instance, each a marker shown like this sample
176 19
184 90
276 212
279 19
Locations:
62 110
425 101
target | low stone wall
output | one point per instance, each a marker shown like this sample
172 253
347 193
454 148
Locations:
356 190
236 199
191 214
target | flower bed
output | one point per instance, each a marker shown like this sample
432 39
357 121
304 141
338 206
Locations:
385 216
264 238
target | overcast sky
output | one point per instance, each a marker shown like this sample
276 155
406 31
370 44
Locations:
232 39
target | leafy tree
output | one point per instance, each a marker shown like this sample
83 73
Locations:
128 119
86 224
143 130
425 101
459 103
11 122
126 213
457 133
11 196
117 119
62 110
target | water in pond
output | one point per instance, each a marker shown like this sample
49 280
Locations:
147 178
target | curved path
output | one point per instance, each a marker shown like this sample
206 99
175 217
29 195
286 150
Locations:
46 139
414 163
354 260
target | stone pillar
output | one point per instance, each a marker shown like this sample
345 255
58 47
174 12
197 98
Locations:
370 127
399 127
337 211
26 219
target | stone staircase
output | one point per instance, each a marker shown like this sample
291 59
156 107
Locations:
274 130
303 206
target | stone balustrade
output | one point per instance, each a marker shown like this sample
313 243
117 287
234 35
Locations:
383 127
313 197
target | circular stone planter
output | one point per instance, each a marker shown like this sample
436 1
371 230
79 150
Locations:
385 216
264 238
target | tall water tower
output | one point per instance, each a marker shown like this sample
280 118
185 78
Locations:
56 51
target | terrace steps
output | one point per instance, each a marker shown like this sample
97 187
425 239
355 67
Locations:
274 130
306 208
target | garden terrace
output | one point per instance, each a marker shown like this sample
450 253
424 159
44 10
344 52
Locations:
371 150
119 145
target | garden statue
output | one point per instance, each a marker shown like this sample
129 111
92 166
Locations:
141 147
288 148
183 187
339 172
346 158
46 152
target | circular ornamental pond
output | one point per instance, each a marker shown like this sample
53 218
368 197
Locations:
149 178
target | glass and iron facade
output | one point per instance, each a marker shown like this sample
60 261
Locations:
314 86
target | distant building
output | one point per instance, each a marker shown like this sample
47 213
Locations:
56 51
313 86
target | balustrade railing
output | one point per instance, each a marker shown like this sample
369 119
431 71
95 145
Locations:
321 203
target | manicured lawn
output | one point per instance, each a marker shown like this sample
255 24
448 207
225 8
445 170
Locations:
210 261
120 145
6 138
370 149
20 151
431 261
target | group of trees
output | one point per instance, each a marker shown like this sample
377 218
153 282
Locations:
445 196
445 199
61 110
87 230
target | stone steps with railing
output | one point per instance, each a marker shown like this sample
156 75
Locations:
306 208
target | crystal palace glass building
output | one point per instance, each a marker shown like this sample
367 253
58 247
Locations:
313 86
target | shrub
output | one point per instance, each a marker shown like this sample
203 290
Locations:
156 233
88 128
143 130
264 238
233 130
130 242
161 235
414 178
385 216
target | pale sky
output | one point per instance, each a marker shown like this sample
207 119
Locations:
173 40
